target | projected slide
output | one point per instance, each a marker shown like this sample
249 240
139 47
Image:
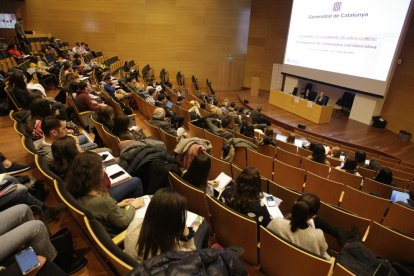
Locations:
352 37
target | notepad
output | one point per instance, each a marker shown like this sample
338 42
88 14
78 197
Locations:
117 175
223 180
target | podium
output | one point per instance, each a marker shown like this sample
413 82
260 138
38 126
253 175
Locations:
301 107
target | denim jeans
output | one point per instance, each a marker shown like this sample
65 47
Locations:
130 189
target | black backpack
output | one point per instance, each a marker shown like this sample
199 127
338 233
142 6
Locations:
359 259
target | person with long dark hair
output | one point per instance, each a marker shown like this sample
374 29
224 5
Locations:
85 182
105 115
21 94
121 129
385 176
305 229
319 154
349 166
246 196
65 150
162 229
198 172
298 230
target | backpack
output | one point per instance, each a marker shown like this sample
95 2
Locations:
358 258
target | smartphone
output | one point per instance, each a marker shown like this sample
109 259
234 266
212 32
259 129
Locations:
27 260
104 156
117 174
270 201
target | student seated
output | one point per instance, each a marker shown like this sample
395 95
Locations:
198 172
305 229
349 166
384 176
163 228
246 196
360 157
64 151
123 130
158 120
318 154
85 181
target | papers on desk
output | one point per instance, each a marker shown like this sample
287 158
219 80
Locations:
298 142
193 220
281 137
223 180
117 175
310 104
140 213
274 211
296 100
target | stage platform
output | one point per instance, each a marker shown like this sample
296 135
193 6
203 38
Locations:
340 128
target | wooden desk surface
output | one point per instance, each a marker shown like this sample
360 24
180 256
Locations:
301 107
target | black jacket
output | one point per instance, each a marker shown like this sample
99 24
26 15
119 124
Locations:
207 261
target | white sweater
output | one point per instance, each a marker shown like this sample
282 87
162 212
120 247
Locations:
310 238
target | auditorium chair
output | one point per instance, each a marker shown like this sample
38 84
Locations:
268 150
366 173
327 190
287 147
280 257
216 143
346 101
363 204
333 162
340 270
227 224
344 220
400 218
288 176
196 201
261 162
288 157
116 258
195 131
218 166
389 244
287 196
376 188
153 130
169 140
315 167
345 178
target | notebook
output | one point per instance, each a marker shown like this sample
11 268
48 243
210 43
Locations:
399 196
117 175
223 180
192 220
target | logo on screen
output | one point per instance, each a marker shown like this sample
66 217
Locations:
337 6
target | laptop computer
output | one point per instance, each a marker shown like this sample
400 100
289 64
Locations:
169 104
399 196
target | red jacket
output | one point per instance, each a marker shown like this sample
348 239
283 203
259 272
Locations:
84 102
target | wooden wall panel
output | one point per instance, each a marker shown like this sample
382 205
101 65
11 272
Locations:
269 22
191 36
398 107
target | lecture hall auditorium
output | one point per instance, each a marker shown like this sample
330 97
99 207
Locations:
212 53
